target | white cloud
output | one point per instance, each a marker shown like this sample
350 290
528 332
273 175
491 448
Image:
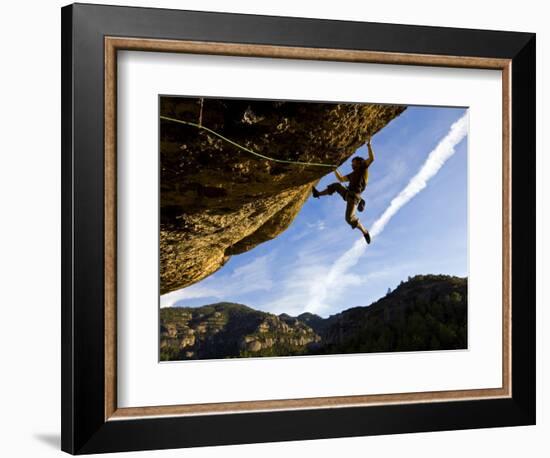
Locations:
254 276
320 225
310 274
339 276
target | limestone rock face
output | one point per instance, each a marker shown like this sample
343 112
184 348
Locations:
254 346
217 200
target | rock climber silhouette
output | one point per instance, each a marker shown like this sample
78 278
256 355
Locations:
357 180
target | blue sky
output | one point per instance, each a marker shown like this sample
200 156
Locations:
319 264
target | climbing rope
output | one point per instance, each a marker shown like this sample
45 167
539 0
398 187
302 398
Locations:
283 161
200 114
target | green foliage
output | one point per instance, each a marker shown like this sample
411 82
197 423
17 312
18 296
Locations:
428 312
169 353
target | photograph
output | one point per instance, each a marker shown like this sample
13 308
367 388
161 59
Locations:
278 217
308 228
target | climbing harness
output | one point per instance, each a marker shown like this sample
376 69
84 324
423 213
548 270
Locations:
283 161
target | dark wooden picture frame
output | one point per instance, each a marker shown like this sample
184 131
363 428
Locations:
91 37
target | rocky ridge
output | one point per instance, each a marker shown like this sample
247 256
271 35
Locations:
230 330
427 312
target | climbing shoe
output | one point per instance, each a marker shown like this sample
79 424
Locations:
315 192
361 205
367 237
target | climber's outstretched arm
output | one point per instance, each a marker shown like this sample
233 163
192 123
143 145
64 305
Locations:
370 159
340 177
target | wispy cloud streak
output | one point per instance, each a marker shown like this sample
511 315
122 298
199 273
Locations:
339 270
254 276
442 152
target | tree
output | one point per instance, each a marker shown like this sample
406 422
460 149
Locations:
456 297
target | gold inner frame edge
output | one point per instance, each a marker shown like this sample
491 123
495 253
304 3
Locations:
114 44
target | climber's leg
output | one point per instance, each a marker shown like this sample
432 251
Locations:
351 217
364 231
331 189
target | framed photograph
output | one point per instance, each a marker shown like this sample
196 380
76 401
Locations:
285 228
